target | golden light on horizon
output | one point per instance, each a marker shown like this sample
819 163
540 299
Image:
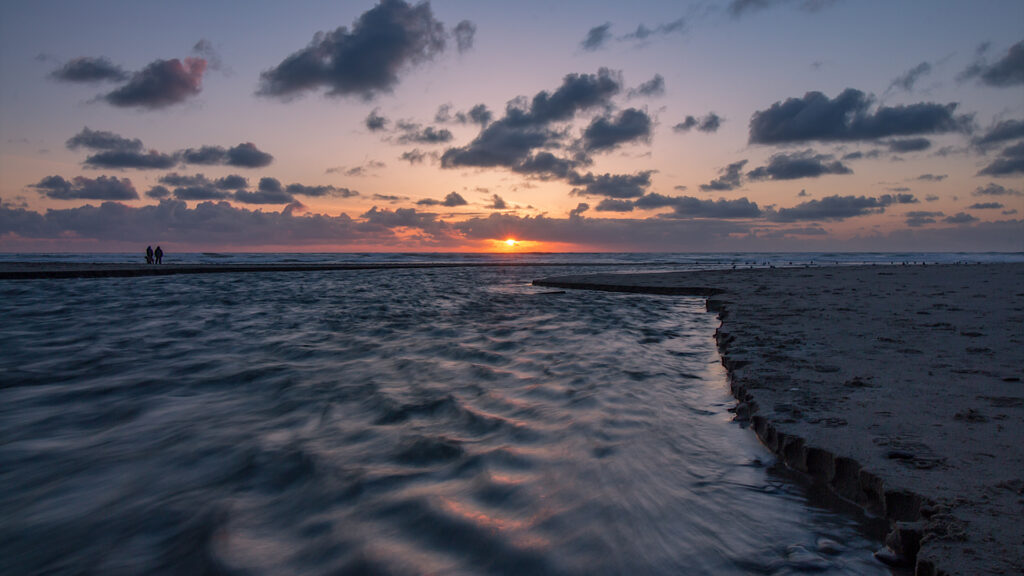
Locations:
511 242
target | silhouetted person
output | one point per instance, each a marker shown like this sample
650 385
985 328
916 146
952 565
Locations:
149 254
159 255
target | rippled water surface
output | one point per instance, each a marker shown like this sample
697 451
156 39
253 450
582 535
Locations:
453 421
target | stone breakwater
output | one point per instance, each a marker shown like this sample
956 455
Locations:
899 387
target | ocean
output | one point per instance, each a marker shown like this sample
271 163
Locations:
393 421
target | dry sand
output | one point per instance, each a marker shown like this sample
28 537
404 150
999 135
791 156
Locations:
899 386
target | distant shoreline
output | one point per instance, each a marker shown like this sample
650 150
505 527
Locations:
899 387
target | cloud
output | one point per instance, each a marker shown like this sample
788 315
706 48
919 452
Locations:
509 141
653 87
909 145
151 160
452 200
363 170
321 191
231 182
644 32
858 155
375 122
920 218
404 218
611 185
960 218
690 207
708 124
607 133
1001 132
89 70
271 195
613 205
839 207
82 188
160 84
413 133
804 164
101 140
848 118
730 178
986 206
738 8
933 177
198 186
1007 71
993 189
158 192
414 156
244 155
205 50
215 225
389 198
1009 162
907 80
597 37
478 114
464 33
364 61
497 203
578 211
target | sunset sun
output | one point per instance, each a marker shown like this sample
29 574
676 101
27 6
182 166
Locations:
511 242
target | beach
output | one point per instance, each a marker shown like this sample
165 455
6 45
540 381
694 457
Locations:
900 387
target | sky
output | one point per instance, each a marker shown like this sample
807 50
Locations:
454 125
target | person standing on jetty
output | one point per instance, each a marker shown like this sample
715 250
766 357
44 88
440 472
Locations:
159 255
149 254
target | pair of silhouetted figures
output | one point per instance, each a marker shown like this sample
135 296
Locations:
154 256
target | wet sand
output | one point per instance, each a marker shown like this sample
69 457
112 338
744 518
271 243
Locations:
901 387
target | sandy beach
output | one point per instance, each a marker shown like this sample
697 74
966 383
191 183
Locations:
898 386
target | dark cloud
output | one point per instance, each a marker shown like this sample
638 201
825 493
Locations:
611 185
89 70
644 32
993 189
231 182
363 170
909 145
907 80
452 200
607 133
597 37
245 155
839 207
613 205
578 211
986 206
464 33
933 177
1009 162
389 198
205 50
375 122
730 178
690 207
82 188
403 218
151 160
161 84
413 133
804 164
738 8
920 218
848 118
478 114
898 189
209 224
931 198
414 156
1001 132
320 191
858 155
653 87
510 140
708 124
497 203
175 179
960 218
201 192
364 61
101 140
158 192
264 197
1007 71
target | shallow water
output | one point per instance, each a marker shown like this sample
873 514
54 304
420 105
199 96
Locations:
455 421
